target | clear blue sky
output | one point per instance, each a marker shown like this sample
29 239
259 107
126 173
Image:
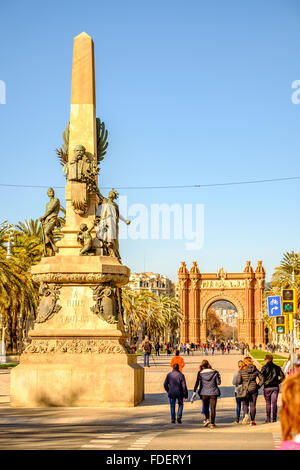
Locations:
191 92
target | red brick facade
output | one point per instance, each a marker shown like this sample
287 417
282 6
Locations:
199 291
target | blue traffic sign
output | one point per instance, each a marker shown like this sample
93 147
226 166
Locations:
274 305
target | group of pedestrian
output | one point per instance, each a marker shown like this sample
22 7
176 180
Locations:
188 348
207 383
247 381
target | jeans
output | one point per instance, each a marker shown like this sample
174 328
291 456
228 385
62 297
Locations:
271 396
180 407
210 401
252 402
238 406
146 358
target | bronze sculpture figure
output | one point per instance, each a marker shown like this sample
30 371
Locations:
81 167
85 238
49 221
108 216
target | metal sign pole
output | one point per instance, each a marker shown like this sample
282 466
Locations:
292 331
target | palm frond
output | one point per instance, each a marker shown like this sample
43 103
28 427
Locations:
63 151
102 143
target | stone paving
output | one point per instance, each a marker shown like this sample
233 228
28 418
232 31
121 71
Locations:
146 426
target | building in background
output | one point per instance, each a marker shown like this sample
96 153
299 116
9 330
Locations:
158 285
152 282
244 290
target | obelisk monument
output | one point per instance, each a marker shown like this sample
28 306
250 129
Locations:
79 354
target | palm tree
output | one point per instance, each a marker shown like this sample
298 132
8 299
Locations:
27 251
18 300
290 262
155 315
30 228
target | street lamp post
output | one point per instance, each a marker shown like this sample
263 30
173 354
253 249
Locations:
9 228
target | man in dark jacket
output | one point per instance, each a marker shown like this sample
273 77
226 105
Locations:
273 376
175 386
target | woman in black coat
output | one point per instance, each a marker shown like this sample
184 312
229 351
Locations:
248 375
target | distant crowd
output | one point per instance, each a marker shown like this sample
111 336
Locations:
223 347
209 347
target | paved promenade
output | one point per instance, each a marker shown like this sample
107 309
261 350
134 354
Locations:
146 426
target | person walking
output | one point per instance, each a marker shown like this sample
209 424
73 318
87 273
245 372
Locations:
133 347
228 347
247 349
157 347
290 413
222 347
178 360
146 348
208 380
213 347
188 349
192 348
287 366
248 376
176 388
237 399
273 376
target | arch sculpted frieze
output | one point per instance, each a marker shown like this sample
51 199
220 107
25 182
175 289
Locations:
223 284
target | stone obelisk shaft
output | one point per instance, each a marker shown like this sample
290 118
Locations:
82 132
83 102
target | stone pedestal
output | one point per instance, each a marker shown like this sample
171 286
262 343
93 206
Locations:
78 355
86 378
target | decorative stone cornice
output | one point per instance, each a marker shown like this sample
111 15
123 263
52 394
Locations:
81 278
76 345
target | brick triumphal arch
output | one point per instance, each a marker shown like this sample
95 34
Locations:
198 291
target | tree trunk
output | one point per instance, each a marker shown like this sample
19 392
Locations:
8 334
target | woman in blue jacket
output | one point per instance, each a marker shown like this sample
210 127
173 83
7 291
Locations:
209 379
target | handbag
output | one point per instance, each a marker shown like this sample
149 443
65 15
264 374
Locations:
242 390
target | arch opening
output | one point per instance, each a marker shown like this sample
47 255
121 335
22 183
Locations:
222 321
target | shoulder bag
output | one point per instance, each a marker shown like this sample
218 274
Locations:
242 390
